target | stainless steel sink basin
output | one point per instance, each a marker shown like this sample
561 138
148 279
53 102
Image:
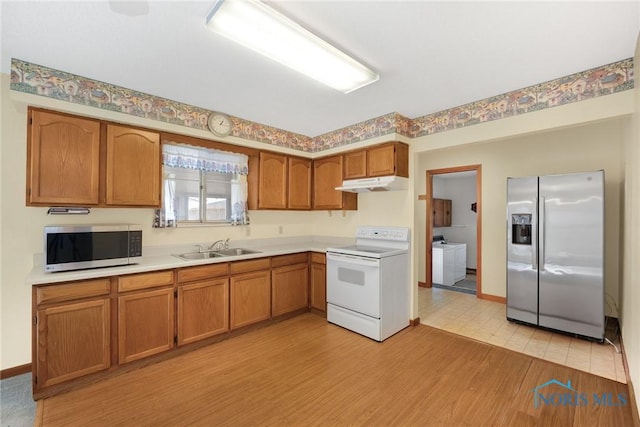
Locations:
236 251
198 255
189 256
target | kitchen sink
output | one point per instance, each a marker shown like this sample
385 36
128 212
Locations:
236 251
198 255
189 256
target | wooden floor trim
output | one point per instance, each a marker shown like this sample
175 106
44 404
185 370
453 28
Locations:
493 298
16 370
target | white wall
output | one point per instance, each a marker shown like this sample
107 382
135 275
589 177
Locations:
21 226
630 316
461 190
588 147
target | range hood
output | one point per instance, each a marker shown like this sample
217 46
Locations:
381 183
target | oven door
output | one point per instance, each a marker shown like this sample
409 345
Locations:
353 283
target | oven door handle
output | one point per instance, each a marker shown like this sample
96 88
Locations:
352 259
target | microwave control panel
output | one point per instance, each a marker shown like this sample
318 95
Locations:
135 243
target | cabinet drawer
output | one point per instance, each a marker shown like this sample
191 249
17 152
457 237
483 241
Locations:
250 265
190 274
318 258
145 280
279 261
71 291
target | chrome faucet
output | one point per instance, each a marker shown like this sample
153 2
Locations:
219 244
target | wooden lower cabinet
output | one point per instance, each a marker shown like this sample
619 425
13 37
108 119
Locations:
289 283
87 326
289 288
72 340
145 324
250 298
203 309
318 282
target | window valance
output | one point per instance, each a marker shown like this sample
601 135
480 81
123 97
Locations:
205 159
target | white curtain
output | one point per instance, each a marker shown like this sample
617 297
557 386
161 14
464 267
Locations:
209 160
206 159
239 189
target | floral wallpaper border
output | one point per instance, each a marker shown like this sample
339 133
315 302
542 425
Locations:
605 80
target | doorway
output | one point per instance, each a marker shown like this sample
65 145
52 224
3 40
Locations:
436 218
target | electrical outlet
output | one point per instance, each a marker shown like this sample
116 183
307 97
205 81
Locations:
248 231
280 229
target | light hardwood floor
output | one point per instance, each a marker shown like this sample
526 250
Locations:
304 371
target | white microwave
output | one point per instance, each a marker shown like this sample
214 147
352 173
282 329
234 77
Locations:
76 247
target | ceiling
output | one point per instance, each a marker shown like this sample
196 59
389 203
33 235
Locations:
431 56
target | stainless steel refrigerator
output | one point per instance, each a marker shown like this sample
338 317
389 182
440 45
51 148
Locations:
555 252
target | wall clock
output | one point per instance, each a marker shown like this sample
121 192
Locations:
220 124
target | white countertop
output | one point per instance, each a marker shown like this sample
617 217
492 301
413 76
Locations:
161 258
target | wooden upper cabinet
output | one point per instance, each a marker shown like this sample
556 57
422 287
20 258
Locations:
63 160
355 164
272 181
388 159
327 175
133 173
299 194
441 212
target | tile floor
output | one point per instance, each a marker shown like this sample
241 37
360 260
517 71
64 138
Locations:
486 321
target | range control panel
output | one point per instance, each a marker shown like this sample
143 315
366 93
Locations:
400 234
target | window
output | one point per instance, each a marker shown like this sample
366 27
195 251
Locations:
202 186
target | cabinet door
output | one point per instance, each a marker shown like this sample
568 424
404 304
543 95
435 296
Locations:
272 181
388 159
299 195
318 285
327 175
145 324
203 309
63 160
355 164
72 340
133 167
441 213
446 206
250 298
289 288
381 160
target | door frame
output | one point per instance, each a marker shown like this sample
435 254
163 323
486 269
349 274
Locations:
429 221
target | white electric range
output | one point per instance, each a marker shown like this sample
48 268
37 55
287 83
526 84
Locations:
368 286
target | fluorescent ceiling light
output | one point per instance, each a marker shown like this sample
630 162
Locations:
256 26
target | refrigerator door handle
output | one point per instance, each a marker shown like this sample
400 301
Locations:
534 240
541 231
